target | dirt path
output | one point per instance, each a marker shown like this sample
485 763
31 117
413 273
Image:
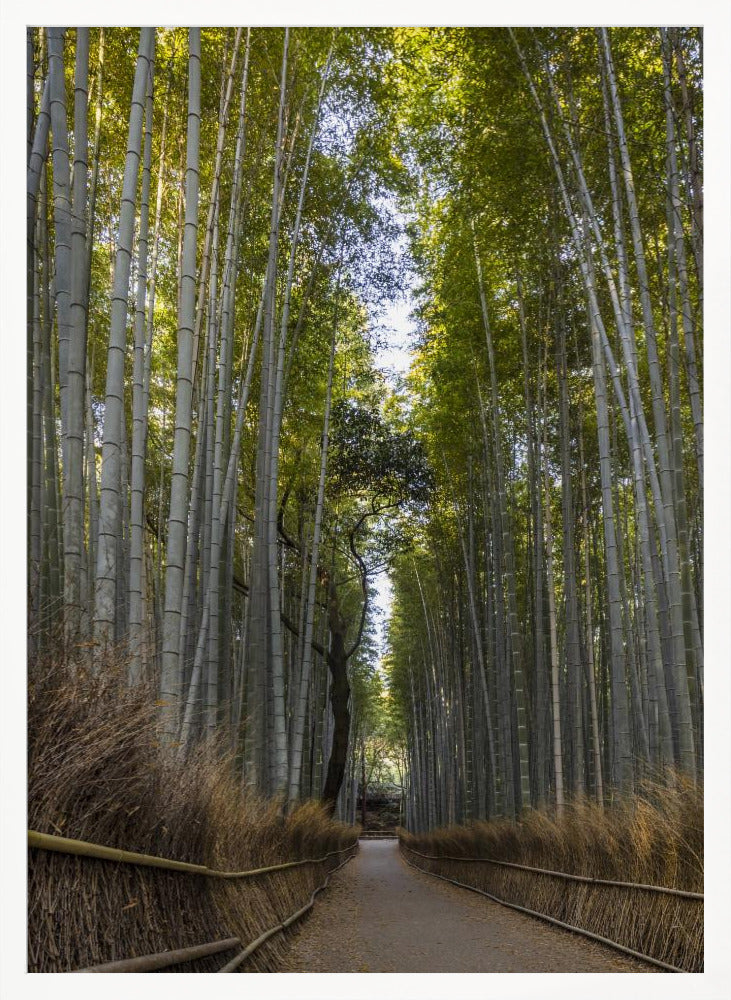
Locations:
379 915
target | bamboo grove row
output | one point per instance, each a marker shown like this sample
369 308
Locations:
546 640
199 206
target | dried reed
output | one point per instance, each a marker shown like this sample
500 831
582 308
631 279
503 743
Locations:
654 838
96 773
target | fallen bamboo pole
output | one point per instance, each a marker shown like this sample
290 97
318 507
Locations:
164 959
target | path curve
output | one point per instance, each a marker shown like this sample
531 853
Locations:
379 915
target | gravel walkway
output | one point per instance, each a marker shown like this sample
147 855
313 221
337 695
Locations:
379 915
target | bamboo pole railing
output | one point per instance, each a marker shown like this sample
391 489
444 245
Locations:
66 845
166 959
564 875
545 916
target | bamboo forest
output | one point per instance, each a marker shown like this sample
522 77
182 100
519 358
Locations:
365 491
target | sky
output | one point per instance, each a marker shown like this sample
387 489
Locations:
393 360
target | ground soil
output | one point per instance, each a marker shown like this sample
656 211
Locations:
380 915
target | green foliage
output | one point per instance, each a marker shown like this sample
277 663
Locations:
440 124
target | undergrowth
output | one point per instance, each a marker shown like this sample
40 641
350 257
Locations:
96 773
653 838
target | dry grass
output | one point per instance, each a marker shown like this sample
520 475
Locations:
95 773
655 838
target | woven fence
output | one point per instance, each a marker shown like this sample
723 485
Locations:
180 918
645 921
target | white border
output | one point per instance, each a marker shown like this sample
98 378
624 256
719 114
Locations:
14 982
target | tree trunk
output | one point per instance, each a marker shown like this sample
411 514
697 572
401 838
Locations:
340 700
